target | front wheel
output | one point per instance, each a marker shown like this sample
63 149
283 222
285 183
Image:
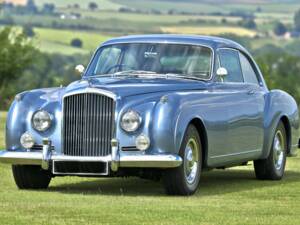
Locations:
184 180
273 167
31 177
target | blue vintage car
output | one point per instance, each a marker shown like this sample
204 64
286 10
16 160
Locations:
154 106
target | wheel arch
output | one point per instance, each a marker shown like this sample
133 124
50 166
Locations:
284 119
280 107
198 123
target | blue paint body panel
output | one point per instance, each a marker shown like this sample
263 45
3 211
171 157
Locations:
238 119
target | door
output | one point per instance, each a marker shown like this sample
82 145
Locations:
244 101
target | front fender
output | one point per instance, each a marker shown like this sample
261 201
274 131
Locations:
21 112
171 120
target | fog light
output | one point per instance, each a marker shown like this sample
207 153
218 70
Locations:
142 142
26 140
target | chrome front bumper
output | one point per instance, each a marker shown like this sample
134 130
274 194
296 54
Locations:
116 159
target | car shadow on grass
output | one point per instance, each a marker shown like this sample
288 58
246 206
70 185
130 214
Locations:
212 183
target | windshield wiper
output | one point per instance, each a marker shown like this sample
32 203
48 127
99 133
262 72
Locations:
176 75
141 73
126 73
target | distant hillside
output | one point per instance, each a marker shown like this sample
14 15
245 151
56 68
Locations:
104 2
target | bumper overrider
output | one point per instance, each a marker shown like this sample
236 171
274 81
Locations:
116 160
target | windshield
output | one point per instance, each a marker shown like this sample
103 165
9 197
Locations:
176 59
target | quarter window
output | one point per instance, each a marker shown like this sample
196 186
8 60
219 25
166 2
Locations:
229 59
249 73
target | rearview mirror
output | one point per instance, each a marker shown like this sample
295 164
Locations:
222 73
79 69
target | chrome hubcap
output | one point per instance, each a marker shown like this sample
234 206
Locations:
278 148
191 160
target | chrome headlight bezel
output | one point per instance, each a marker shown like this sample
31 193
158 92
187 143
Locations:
27 140
132 117
41 120
142 142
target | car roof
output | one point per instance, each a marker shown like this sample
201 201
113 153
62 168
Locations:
209 41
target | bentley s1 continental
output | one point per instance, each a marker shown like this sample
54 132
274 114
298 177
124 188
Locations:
164 106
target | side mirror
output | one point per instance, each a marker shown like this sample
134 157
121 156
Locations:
79 69
222 73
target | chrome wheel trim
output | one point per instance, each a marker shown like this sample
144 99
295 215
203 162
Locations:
278 150
191 161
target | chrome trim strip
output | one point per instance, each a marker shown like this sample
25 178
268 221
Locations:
21 158
93 91
150 161
130 160
158 42
81 159
235 154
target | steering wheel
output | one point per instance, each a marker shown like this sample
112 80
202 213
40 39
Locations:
119 66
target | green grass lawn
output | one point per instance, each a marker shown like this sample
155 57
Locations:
2 129
52 40
230 197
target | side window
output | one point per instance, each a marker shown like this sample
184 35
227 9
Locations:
249 74
230 60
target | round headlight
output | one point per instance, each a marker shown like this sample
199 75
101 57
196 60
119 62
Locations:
27 141
131 121
41 120
142 142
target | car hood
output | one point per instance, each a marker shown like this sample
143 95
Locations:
124 87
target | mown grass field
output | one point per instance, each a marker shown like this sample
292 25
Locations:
52 40
209 30
230 197
148 18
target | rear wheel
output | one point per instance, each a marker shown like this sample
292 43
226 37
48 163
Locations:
273 167
31 177
184 180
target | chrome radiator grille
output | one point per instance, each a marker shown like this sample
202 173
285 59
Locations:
88 124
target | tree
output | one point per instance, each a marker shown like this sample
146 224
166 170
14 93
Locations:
258 9
281 72
31 7
93 6
244 41
280 29
247 23
16 54
28 30
76 6
297 20
76 42
224 20
48 8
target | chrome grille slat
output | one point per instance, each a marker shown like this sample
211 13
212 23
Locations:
88 124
